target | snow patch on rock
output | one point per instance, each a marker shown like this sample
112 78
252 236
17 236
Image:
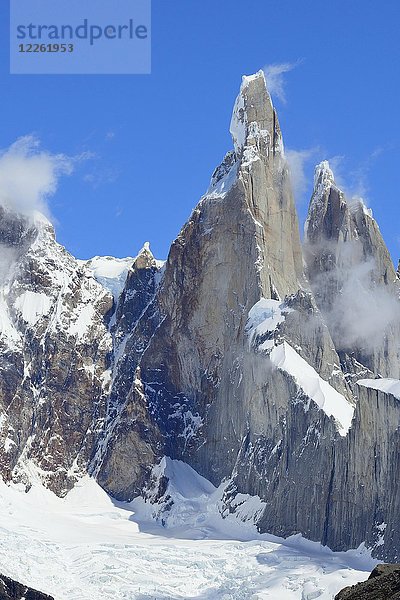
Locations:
33 306
263 320
389 386
223 180
83 322
334 405
110 272
8 333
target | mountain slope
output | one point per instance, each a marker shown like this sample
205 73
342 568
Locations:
353 277
198 371
244 375
55 349
239 356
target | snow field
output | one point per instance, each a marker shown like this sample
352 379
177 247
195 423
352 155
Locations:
87 547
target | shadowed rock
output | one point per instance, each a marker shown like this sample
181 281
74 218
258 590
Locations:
382 584
11 590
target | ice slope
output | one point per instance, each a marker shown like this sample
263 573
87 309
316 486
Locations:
320 391
110 272
389 386
263 323
264 318
85 547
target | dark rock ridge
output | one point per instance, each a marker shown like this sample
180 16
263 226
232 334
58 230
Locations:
12 590
241 355
382 584
55 349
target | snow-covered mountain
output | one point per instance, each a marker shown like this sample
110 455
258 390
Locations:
268 366
55 354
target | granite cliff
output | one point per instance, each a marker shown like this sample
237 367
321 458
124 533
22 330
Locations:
260 361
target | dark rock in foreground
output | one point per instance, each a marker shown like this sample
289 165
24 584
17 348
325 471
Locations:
12 590
382 584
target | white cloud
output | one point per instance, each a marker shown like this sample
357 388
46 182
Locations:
274 75
354 183
29 175
364 311
297 161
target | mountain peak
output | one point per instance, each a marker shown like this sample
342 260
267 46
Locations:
255 79
145 249
146 259
254 115
328 208
323 176
328 197
20 230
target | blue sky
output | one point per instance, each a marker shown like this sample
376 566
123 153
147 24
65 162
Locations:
149 143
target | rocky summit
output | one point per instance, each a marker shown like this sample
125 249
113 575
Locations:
259 359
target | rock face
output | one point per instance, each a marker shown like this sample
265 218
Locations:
353 277
243 372
208 288
54 353
240 355
131 441
382 584
11 590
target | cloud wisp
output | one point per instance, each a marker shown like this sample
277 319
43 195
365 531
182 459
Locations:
274 75
29 176
360 310
354 182
297 161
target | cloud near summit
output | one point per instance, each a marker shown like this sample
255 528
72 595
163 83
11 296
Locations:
274 75
29 175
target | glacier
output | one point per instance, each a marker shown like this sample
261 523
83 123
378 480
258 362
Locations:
181 428
87 546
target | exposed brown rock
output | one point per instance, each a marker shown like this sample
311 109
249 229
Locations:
382 584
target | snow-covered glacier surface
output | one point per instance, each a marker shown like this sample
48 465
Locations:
87 547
